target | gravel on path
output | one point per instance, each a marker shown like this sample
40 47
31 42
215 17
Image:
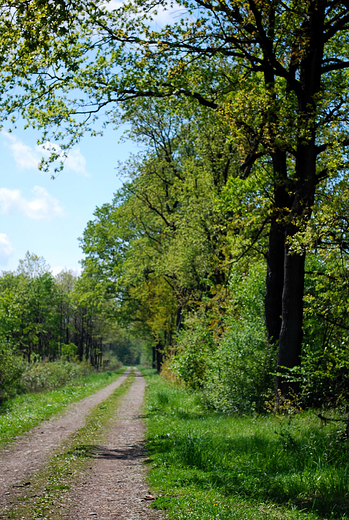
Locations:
28 453
115 488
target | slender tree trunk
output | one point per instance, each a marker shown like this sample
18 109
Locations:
179 315
154 357
158 357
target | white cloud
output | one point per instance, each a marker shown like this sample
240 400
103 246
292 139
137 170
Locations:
28 158
6 249
76 162
41 206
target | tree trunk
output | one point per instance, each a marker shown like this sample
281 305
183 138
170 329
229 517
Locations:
291 333
276 246
158 357
154 357
304 188
275 281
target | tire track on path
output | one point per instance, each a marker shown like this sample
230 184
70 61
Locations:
28 454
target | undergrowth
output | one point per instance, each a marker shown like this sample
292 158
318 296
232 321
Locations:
208 466
41 376
23 412
46 493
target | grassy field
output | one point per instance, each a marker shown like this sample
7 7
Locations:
210 466
20 414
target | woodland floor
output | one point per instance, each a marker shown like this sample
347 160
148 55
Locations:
113 486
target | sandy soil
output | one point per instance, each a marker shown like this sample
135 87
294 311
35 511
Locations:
115 487
28 454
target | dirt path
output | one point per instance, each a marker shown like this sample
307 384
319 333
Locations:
26 455
115 487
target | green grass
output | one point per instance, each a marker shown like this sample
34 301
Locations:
45 496
23 412
210 466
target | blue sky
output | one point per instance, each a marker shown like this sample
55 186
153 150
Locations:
46 216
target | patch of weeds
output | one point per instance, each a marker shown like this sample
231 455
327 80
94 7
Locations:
70 462
25 411
207 465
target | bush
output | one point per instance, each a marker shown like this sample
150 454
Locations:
11 371
241 365
195 346
240 371
233 368
51 375
323 375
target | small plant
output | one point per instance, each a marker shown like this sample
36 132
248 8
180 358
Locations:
278 404
162 397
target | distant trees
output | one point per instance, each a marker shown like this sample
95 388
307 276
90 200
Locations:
43 317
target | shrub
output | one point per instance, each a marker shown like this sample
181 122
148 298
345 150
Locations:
240 371
323 375
11 370
241 365
51 375
194 346
233 366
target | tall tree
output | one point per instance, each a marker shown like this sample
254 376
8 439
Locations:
161 244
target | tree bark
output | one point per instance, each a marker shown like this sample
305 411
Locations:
291 333
276 251
274 281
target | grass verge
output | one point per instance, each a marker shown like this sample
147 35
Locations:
211 466
23 412
45 494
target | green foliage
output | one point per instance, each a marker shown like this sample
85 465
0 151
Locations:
241 365
50 318
233 367
12 368
323 375
68 351
49 376
272 84
207 465
240 371
268 145
160 246
194 349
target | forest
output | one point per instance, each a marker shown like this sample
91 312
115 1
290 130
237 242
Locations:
222 261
